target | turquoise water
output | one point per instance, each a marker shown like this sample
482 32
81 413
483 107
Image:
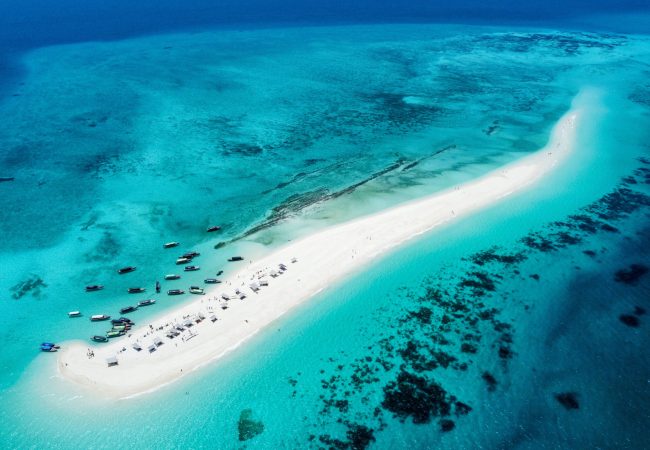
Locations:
118 147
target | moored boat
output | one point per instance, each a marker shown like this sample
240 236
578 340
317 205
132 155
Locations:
175 292
147 302
183 260
213 228
99 317
235 258
98 338
171 244
191 255
128 309
211 281
74 314
196 290
191 268
157 287
127 269
172 276
114 334
48 348
136 290
94 287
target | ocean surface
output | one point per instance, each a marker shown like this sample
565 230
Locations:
523 326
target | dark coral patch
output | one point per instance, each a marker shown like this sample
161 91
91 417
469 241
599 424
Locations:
629 320
568 399
247 427
632 274
416 397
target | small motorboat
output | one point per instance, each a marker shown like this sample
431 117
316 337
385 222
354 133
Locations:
235 258
50 344
211 281
191 255
127 269
157 287
183 260
220 273
74 314
172 276
98 338
121 327
128 309
147 302
115 333
196 290
136 290
94 287
99 317
213 228
175 292
171 244
192 268
48 348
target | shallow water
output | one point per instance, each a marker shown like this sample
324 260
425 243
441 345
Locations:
118 147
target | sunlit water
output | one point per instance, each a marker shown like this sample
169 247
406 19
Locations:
118 147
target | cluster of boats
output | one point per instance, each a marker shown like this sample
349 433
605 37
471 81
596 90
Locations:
123 324
119 328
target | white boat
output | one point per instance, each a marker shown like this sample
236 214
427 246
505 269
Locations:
74 314
171 244
172 276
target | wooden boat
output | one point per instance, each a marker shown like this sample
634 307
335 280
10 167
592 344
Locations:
171 244
94 287
172 277
99 317
147 302
136 290
98 338
115 333
182 260
74 314
196 290
191 268
175 292
235 258
128 309
122 320
127 269
213 228
191 255
120 327
211 281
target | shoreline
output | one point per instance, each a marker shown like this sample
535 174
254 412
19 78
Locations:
321 259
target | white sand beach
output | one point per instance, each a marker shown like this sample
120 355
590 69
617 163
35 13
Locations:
320 261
